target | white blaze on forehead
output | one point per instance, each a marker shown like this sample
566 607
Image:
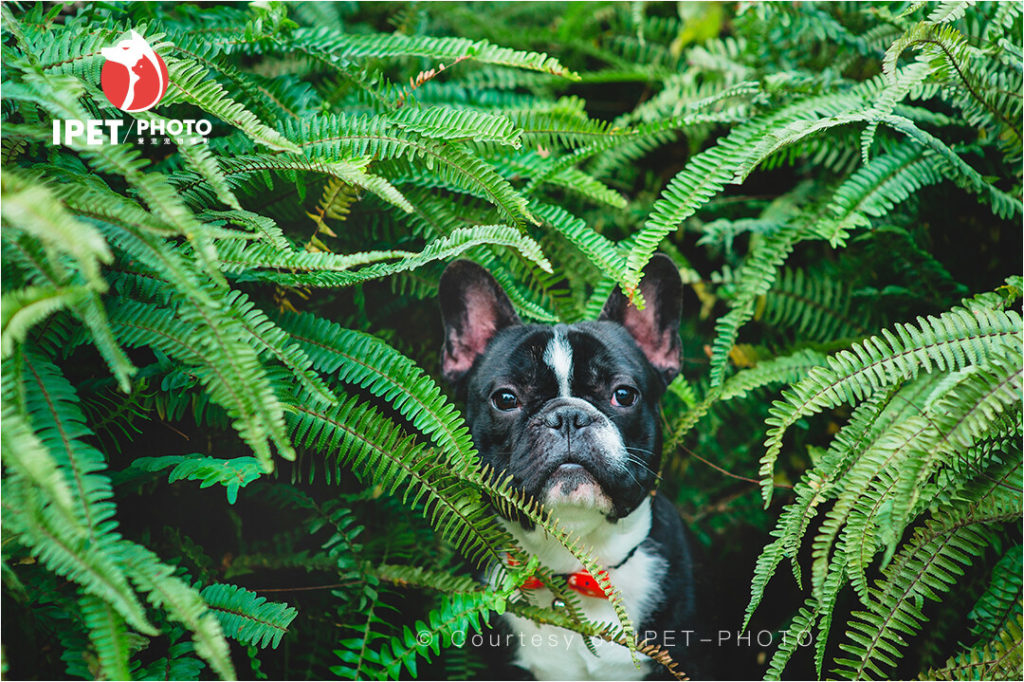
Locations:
558 356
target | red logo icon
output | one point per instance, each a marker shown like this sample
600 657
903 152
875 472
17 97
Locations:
134 77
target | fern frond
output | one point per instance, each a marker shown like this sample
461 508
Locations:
272 342
913 448
786 369
199 158
458 125
828 596
351 47
950 341
461 613
956 169
361 359
357 435
997 659
565 126
182 604
25 453
260 227
417 576
595 246
925 568
875 188
799 630
66 549
180 663
348 135
815 305
729 160
846 473
336 200
955 57
27 307
59 98
51 404
233 474
108 637
756 278
606 631
1001 600
34 209
189 83
296 268
236 171
223 361
247 617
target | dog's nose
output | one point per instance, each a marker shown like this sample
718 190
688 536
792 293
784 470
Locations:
568 419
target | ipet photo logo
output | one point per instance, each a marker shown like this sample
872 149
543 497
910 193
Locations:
134 78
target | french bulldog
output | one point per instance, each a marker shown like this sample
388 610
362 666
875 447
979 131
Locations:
571 412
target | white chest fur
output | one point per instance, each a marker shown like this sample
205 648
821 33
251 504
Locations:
552 653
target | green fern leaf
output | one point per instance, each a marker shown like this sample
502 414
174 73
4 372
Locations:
351 46
1000 602
182 604
997 659
786 369
355 434
189 82
950 341
24 453
926 567
25 308
66 549
708 172
458 125
875 188
34 209
52 407
236 171
247 617
846 474
462 613
597 248
259 261
756 278
224 362
233 474
108 636
360 359
180 663
333 136
799 631
261 227
199 158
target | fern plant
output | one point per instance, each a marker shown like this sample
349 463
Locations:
254 313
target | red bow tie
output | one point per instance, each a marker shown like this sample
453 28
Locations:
580 581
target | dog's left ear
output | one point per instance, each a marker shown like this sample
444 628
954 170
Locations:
474 308
655 328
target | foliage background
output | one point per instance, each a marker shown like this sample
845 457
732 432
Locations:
175 322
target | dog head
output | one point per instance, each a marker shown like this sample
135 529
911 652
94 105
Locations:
570 411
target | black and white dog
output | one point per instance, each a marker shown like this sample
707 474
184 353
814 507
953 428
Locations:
571 412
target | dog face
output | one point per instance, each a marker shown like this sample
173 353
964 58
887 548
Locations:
570 411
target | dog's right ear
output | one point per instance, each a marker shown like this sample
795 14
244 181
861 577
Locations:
474 308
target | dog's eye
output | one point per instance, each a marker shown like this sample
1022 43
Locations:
505 400
624 396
